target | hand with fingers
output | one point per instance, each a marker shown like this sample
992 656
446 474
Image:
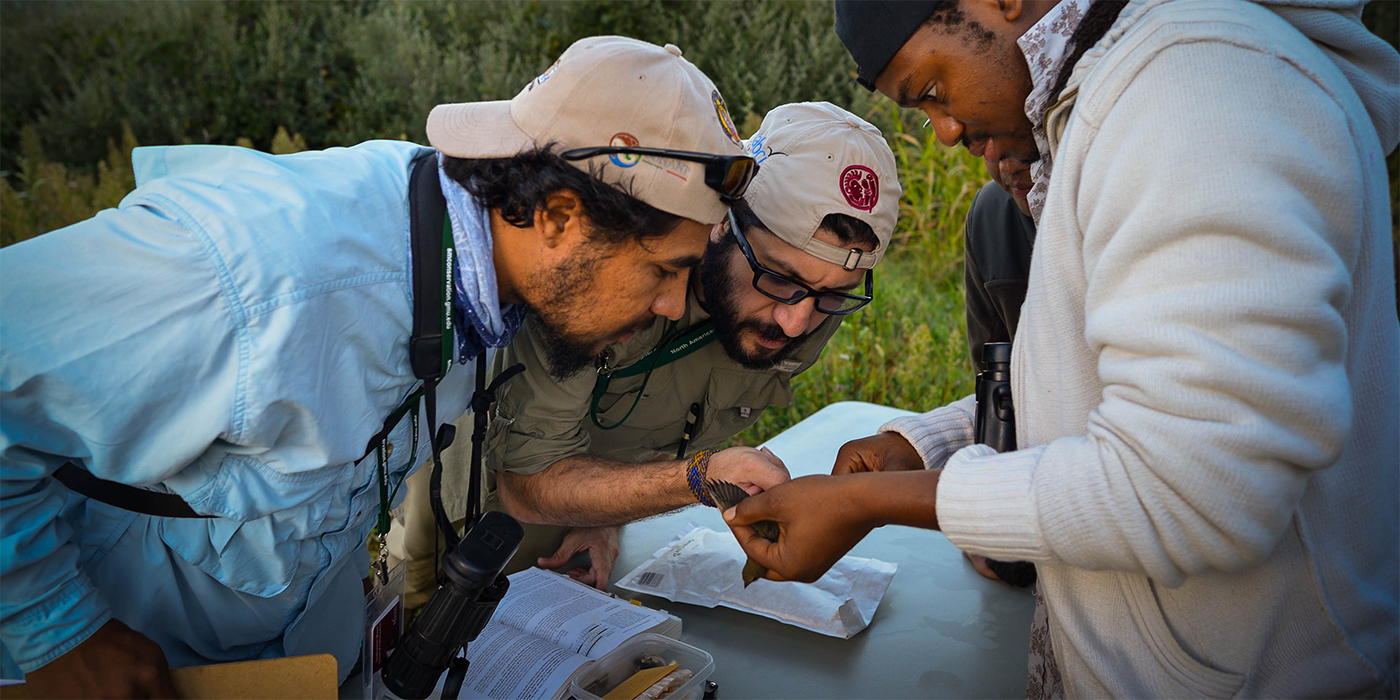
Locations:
753 470
725 496
601 545
818 519
883 452
115 662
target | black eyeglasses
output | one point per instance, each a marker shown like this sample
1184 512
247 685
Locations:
790 291
728 175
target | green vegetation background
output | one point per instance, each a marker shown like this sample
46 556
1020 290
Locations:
82 83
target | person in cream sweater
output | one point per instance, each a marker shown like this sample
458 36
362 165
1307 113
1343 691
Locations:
1205 371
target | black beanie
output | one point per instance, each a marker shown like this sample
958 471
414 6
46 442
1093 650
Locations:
875 30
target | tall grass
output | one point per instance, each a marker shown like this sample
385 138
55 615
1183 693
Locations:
48 195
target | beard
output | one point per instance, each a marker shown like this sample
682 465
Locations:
722 297
565 292
564 357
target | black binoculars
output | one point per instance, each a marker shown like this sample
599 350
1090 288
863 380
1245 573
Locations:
995 422
467 594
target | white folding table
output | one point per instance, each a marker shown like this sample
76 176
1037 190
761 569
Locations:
941 631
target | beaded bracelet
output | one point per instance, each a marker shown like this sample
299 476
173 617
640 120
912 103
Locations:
695 475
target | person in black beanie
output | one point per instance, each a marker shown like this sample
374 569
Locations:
1204 363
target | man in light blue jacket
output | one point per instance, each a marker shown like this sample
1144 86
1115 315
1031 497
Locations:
237 330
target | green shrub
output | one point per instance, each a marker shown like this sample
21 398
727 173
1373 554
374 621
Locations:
177 72
50 196
344 72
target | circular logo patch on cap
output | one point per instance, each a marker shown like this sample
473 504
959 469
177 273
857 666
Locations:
543 76
725 122
861 187
623 139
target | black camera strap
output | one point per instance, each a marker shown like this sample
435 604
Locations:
431 348
124 496
431 353
430 342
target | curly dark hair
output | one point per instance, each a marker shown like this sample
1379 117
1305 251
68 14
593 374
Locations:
518 186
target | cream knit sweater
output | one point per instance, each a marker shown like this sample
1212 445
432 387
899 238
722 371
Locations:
1207 369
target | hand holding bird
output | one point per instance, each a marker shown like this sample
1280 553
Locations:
726 496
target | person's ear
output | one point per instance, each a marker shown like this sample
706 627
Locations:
1011 9
560 220
718 231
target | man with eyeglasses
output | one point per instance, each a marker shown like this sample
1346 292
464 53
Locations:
190 382
604 440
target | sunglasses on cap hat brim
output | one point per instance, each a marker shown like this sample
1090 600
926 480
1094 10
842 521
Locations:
728 175
787 290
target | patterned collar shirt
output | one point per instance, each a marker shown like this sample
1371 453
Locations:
1046 46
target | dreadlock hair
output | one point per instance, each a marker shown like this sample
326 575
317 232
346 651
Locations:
1097 21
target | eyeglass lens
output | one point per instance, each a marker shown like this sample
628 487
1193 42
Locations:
785 290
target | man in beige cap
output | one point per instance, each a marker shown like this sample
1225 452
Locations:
202 370
626 442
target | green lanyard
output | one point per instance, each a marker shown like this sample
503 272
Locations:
384 454
689 340
410 404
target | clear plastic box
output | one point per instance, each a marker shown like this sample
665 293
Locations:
619 664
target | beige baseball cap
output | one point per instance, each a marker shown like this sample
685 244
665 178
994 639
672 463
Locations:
608 91
817 159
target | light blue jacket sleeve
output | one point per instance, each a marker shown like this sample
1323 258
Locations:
84 371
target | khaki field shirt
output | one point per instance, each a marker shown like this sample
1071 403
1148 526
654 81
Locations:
538 421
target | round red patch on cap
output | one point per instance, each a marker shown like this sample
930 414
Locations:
861 187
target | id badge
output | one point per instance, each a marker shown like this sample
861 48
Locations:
384 621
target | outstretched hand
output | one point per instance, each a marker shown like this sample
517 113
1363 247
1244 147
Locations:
820 518
115 662
601 545
883 452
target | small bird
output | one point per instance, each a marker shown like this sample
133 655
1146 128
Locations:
726 496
